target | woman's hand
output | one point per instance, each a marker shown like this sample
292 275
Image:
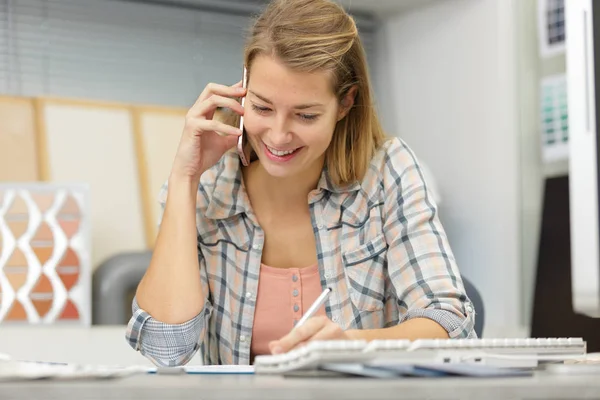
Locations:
315 328
201 146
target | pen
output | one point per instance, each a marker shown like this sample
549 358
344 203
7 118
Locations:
314 307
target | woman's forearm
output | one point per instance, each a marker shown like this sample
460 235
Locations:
171 290
416 328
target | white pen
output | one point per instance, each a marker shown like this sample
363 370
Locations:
314 307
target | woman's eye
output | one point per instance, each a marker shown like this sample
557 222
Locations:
259 109
308 117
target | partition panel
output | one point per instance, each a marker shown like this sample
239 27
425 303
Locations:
158 131
93 143
18 159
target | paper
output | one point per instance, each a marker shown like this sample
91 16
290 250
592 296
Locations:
551 27
204 369
220 369
30 370
554 118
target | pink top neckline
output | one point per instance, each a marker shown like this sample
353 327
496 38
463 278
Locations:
304 271
284 295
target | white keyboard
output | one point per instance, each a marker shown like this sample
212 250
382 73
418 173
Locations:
498 352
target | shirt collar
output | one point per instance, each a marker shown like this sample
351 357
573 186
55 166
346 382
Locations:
229 197
326 183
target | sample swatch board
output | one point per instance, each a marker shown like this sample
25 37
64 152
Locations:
45 266
554 115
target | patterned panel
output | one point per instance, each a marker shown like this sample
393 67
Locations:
45 269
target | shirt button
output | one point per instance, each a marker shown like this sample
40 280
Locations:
248 295
335 319
295 293
327 275
296 308
242 338
295 278
469 308
256 246
320 226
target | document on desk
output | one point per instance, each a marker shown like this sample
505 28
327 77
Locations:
29 370
205 369
220 369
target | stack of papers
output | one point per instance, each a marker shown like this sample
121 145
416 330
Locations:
387 370
29 370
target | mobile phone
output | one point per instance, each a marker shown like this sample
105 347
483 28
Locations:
241 143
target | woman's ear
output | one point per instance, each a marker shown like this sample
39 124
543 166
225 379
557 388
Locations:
347 102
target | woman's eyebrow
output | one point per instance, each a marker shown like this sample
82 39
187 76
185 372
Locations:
298 107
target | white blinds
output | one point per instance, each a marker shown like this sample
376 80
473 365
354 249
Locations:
129 51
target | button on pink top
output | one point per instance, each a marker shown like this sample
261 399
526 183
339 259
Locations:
284 295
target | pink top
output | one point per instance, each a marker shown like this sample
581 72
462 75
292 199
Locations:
284 295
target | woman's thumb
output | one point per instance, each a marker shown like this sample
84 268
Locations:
231 141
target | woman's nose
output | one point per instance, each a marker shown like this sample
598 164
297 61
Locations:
280 132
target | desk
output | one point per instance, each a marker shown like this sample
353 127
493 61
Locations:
206 387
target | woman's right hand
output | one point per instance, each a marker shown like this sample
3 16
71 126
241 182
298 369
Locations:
201 146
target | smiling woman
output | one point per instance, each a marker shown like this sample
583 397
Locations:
327 202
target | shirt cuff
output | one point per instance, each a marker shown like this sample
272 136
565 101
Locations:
166 345
458 327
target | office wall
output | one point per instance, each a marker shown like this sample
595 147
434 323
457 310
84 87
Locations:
132 52
157 136
121 152
531 69
453 91
116 51
530 154
93 144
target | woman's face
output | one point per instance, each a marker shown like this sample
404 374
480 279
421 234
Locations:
289 117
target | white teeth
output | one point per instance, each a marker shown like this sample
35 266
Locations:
280 153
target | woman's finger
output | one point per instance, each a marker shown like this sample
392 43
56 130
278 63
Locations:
329 332
211 125
215 101
216 89
298 335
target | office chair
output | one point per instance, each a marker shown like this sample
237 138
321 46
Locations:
477 301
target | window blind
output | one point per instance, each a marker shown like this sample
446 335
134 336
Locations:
149 52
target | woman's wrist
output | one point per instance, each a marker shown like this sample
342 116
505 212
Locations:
353 334
182 187
180 179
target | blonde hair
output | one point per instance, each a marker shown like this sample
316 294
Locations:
318 35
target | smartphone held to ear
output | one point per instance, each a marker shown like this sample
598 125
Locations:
241 143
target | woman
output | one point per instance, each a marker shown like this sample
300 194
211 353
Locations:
328 201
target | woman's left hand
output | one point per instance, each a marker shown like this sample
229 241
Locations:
315 328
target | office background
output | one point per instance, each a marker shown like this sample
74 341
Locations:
458 80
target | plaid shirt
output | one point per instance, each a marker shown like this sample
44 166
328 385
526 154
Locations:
380 247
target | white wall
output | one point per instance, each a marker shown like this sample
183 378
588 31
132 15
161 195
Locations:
452 92
532 183
531 69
